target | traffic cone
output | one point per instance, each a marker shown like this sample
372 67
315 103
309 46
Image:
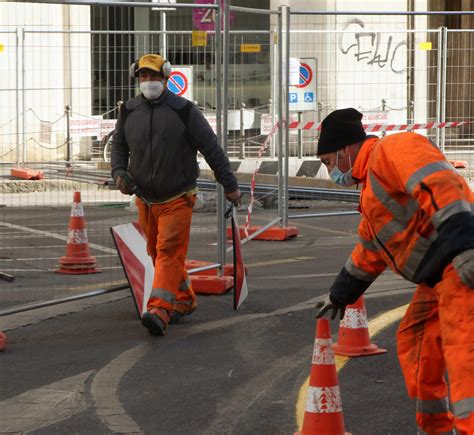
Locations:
77 260
3 341
353 339
323 413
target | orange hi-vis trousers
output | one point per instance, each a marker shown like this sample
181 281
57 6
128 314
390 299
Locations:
437 335
167 227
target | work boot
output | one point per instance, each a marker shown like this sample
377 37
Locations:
156 321
178 314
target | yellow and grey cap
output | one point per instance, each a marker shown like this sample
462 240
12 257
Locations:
151 61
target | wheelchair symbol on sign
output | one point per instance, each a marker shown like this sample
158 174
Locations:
309 97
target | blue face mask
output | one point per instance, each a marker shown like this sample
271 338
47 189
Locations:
342 178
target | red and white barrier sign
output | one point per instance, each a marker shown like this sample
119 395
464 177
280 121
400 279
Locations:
131 246
240 281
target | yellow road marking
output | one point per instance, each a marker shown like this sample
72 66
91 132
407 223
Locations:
282 261
376 325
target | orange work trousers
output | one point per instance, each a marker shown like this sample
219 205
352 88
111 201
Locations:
167 227
436 336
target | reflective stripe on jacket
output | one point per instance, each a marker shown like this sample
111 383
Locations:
417 214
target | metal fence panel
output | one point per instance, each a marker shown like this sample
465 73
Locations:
55 118
459 98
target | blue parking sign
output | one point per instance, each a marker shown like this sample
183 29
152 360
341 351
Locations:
292 97
309 97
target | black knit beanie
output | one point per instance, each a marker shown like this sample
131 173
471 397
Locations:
340 128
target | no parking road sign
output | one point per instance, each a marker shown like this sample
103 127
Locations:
180 82
302 90
305 76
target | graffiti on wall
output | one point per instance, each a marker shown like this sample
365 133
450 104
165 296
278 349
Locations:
372 47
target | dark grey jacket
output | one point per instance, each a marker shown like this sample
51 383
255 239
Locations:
157 143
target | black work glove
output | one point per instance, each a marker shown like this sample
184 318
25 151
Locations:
122 185
330 304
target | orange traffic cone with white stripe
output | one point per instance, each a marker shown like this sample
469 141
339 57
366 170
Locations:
353 339
77 260
323 413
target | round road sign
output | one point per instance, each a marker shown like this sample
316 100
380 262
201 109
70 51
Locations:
306 75
178 83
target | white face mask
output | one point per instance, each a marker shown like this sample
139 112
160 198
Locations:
152 89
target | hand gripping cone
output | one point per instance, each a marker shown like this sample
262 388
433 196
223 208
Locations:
77 260
353 339
323 413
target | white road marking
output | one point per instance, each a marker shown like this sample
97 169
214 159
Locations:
9 248
44 406
105 392
52 270
56 236
50 258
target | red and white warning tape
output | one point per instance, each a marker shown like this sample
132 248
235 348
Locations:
311 125
261 150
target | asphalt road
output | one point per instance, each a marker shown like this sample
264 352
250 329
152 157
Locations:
89 367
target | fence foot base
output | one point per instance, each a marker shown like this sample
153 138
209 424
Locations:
273 233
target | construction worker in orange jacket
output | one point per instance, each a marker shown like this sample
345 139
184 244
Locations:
154 150
417 218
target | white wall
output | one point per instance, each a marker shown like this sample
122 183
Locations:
56 73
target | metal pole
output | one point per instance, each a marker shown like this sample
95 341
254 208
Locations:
242 132
164 42
280 113
300 136
384 103
443 90
23 127
271 111
438 84
287 117
326 214
17 91
68 136
221 224
33 306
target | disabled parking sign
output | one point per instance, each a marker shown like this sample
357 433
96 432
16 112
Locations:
302 89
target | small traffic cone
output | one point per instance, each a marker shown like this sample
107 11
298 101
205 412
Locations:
323 413
3 340
353 339
77 260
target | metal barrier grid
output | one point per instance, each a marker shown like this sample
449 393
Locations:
51 132
252 85
392 76
38 135
458 103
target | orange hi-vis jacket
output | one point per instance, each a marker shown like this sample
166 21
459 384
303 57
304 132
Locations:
417 214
